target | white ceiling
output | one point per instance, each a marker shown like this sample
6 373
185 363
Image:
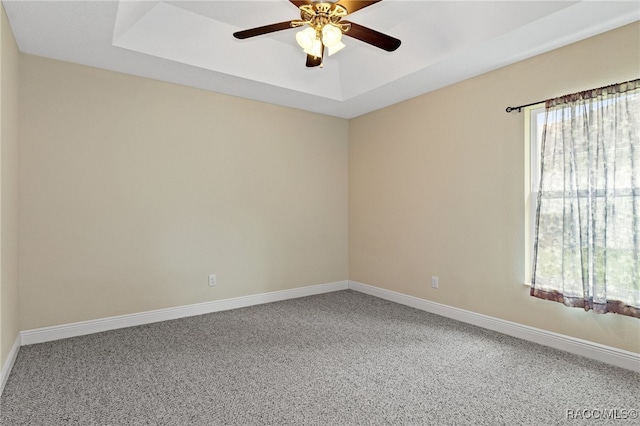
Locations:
191 43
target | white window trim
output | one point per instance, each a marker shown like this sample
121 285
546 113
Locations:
532 133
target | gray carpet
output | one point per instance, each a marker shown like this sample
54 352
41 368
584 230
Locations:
341 358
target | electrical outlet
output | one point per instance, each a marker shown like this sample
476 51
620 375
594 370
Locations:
434 282
212 280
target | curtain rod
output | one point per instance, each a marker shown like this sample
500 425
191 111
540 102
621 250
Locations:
519 108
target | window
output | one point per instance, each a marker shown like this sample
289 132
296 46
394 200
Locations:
584 199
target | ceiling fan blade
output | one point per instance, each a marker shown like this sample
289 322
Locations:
263 30
313 61
298 3
354 5
372 37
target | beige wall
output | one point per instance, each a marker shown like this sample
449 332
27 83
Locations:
8 189
134 190
436 188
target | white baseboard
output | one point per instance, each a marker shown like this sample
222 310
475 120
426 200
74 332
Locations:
46 334
8 364
618 357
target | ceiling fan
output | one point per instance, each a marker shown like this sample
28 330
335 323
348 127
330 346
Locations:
325 28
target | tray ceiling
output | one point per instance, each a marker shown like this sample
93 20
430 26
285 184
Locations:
191 43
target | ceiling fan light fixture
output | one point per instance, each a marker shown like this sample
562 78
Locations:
331 35
306 38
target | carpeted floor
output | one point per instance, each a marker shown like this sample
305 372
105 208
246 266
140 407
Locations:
341 358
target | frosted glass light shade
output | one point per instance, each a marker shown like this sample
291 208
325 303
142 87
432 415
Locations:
336 48
306 38
315 50
331 35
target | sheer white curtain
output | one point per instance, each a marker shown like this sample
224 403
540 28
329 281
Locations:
587 244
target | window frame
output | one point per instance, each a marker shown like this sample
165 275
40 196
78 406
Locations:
532 138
